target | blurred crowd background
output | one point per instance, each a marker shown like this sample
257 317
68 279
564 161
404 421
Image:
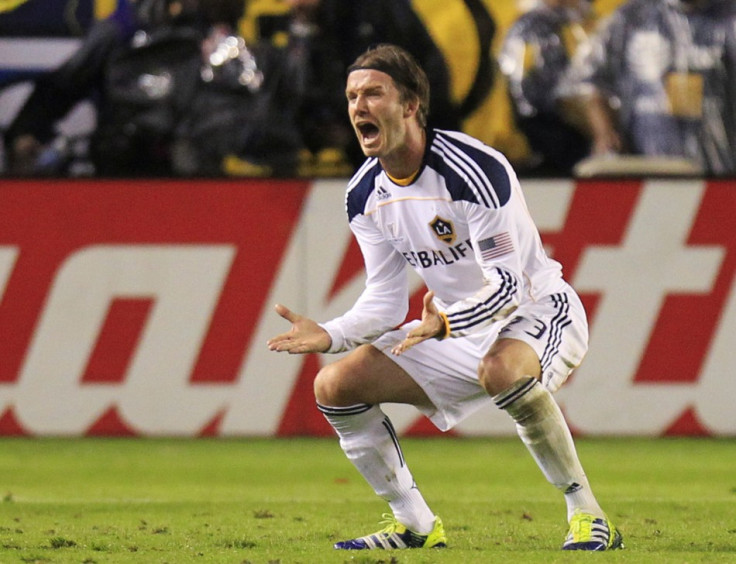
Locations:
125 88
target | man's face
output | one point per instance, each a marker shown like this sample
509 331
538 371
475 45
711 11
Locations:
376 111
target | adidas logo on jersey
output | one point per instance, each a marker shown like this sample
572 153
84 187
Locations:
382 193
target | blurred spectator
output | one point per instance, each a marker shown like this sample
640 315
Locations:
325 37
662 79
535 58
155 70
316 68
242 119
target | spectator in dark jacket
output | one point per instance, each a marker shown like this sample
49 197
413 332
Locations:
163 91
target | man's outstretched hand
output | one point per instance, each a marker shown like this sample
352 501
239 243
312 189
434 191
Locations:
431 326
305 335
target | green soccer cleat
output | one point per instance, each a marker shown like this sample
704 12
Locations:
588 532
395 535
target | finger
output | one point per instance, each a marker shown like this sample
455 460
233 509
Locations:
280 340
285 312
283 345
429 306
405 345
275 342
401 348
428 297
419 333
295 347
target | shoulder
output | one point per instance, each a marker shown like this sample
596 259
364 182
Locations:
472 170
360 187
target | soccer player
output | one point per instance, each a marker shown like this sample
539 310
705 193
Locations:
499 323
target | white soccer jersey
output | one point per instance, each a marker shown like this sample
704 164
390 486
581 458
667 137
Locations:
462 224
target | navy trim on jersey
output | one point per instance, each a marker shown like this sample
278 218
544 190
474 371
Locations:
471 174
361 186
467 318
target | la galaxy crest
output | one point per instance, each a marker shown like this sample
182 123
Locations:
444 229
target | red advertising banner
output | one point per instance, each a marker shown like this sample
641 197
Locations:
143 307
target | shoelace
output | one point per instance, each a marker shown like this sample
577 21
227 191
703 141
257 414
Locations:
581 528
389 523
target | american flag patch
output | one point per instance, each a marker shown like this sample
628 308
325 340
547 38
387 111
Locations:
496 246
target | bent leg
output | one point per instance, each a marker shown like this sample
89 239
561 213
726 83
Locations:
366 376
510 372
348 393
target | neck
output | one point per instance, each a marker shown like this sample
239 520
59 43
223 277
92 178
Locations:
407 159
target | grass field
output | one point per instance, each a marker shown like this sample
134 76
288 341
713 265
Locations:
287 501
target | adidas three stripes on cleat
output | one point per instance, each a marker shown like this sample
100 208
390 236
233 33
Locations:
588 532
395 535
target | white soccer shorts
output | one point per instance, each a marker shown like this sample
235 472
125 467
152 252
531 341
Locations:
555 327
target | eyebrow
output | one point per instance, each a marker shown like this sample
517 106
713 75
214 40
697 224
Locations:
368 89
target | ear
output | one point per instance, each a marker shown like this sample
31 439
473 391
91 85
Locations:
411 107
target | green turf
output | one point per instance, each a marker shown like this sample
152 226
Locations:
287 501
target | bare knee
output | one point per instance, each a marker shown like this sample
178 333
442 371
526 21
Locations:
505 363
494 374
342 383
330 387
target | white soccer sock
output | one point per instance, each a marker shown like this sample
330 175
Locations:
543 429
369 441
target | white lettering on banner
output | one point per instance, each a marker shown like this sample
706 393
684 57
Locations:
184 281
715 397
657 257
633 280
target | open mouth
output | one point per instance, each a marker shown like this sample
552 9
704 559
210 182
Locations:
367 131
